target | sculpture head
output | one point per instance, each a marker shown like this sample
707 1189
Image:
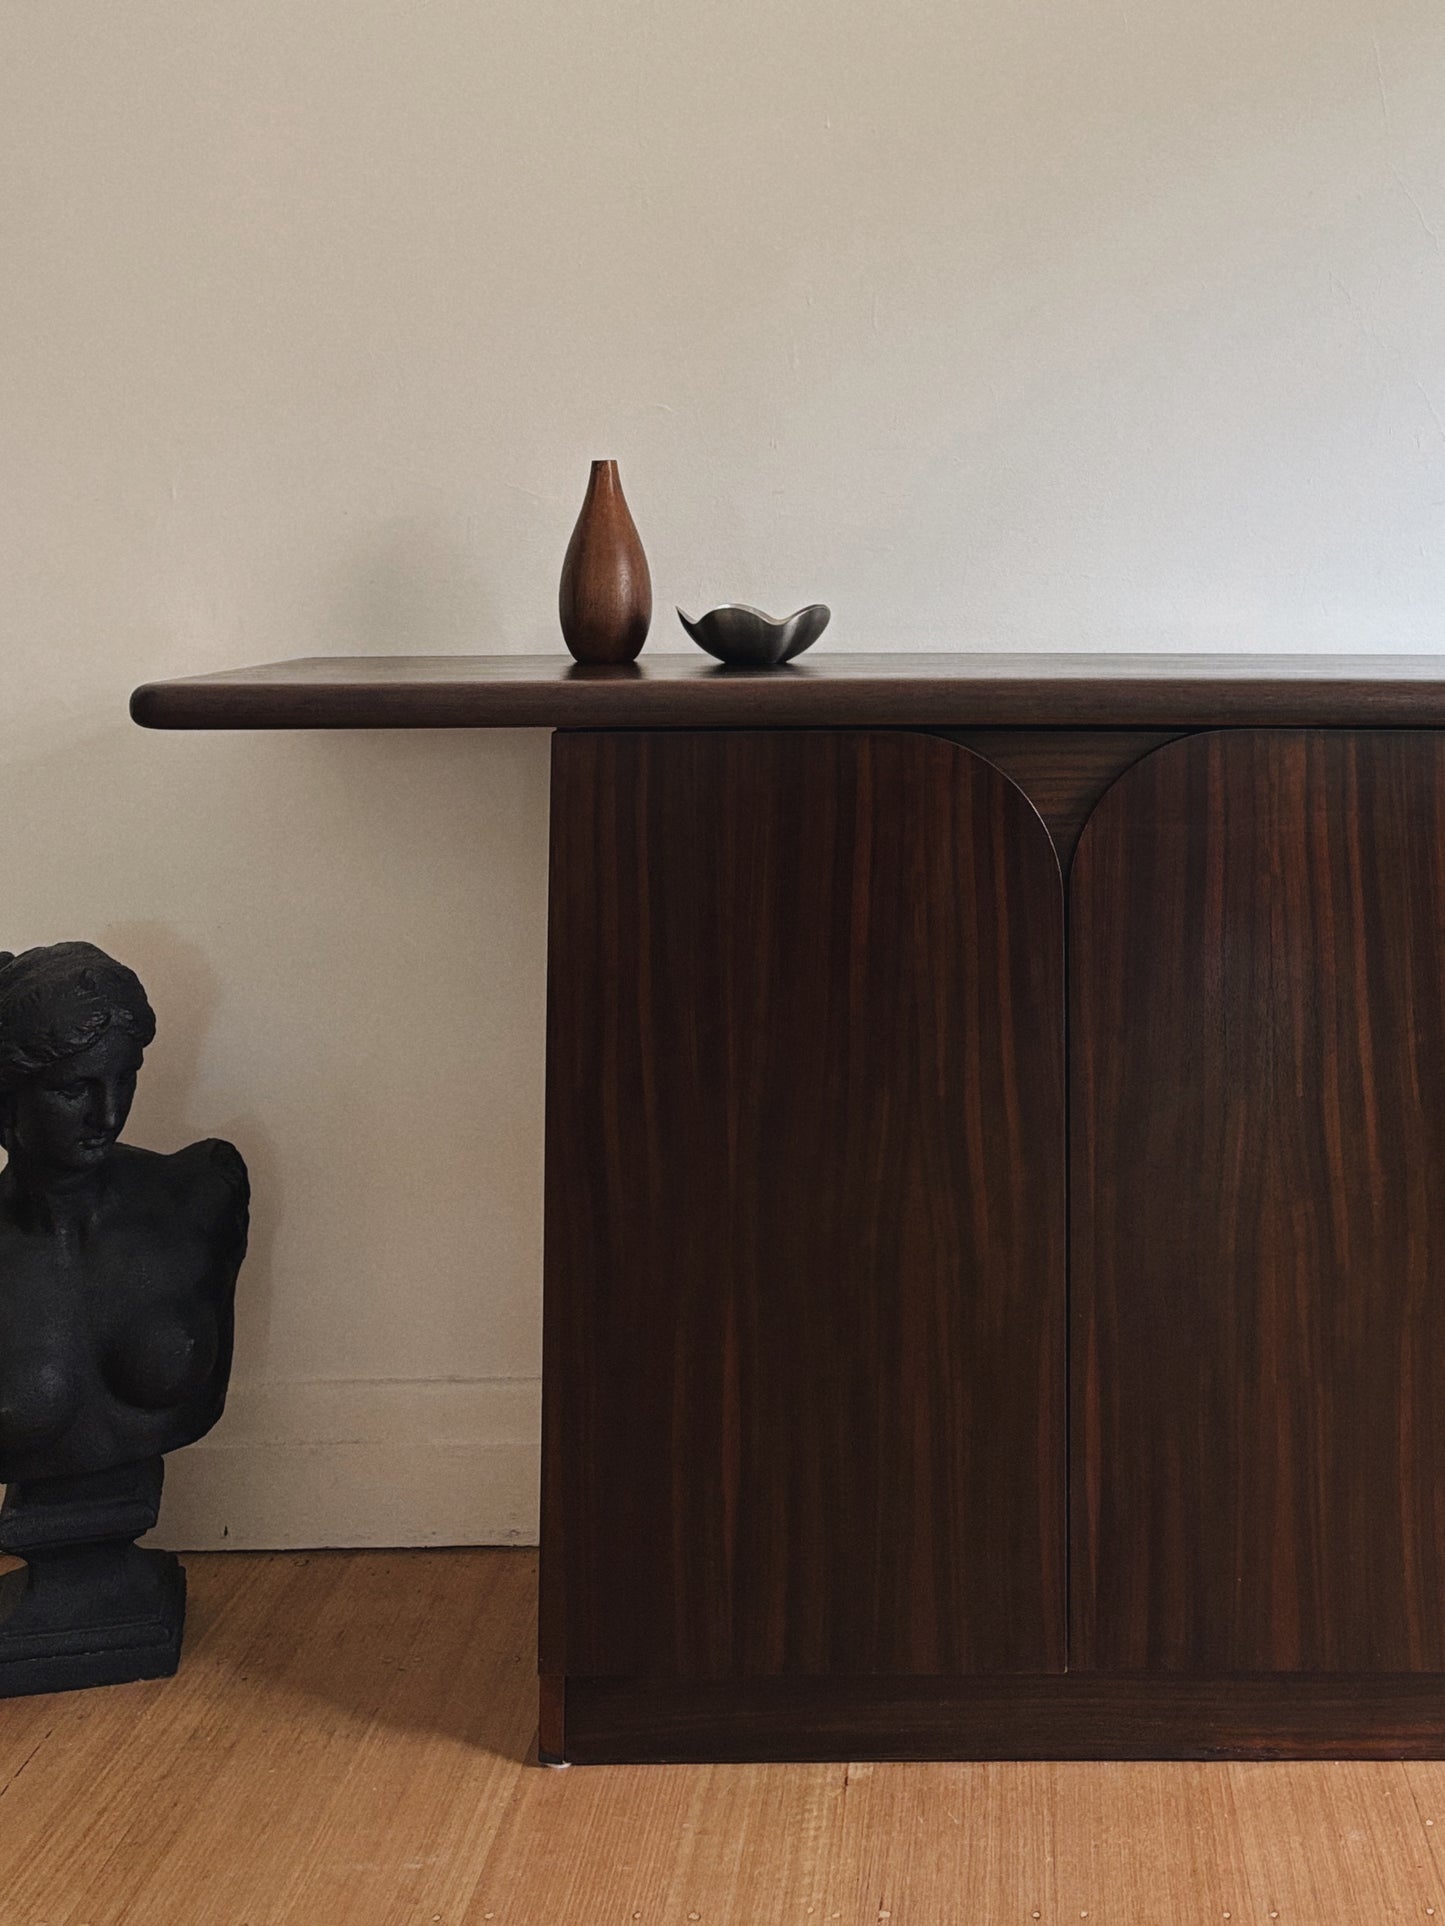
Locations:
74 1025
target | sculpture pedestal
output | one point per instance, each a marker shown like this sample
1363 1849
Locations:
91 1607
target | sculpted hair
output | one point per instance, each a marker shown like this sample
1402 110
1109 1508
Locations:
57 1000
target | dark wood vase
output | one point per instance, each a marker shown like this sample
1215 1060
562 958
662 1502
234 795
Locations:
606 595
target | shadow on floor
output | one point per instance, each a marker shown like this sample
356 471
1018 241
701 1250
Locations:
440 1643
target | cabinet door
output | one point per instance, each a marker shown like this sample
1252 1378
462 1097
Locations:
804 1332
1258 1208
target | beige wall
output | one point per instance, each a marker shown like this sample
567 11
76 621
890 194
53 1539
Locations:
1038 325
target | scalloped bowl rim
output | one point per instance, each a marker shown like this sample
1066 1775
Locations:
746 608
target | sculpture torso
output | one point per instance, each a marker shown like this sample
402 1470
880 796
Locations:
115 1342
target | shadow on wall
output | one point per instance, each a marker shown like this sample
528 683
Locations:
157 955
343 937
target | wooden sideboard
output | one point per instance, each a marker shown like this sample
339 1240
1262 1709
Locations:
995 1244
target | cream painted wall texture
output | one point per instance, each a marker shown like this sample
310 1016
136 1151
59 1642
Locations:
999 324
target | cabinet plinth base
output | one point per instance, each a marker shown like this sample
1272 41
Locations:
1072 1716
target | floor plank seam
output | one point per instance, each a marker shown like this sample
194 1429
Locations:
24 1762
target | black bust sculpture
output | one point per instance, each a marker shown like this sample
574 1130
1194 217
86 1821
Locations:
117 1279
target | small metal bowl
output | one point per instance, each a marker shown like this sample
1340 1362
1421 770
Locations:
749 639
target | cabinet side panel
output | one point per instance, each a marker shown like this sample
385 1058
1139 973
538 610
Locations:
805 1211
1258 1208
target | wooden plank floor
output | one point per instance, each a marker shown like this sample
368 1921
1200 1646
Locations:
350 1743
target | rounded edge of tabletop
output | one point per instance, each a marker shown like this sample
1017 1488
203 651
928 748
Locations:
148 706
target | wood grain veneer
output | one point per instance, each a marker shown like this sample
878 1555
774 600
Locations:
830 687
804 1325
1257 961
1072 1715
605 598
1063 772
803 1466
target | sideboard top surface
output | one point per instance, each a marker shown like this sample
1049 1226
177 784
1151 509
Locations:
828 690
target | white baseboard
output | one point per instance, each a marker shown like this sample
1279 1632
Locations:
298 1465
